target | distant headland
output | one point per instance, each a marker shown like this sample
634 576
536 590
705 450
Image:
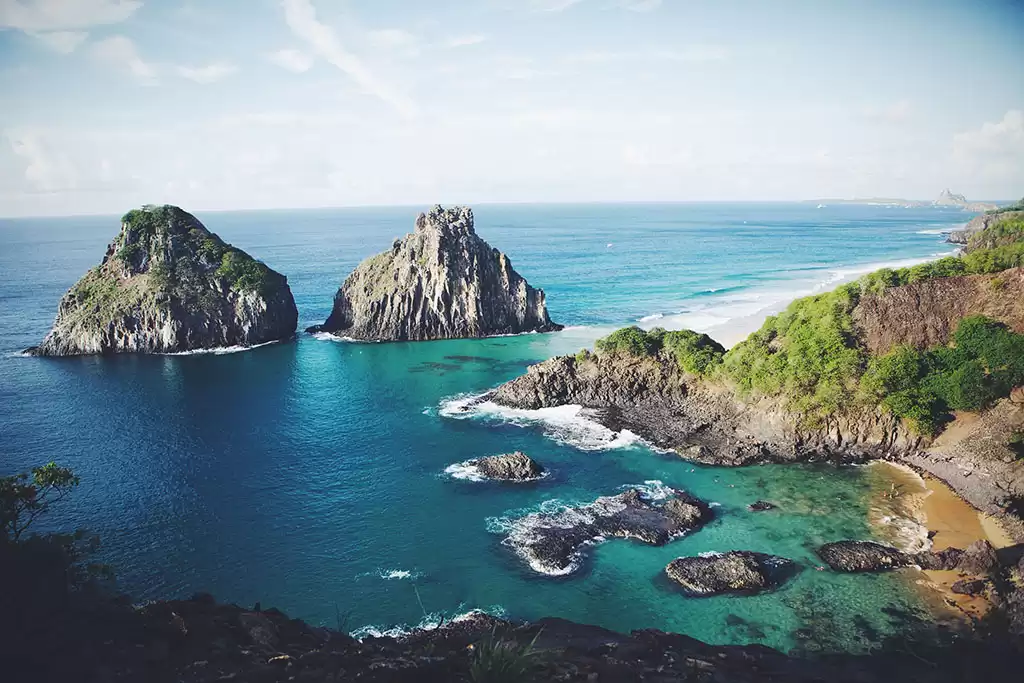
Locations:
946 198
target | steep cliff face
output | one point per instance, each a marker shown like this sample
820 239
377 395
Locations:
703 421
440 282
167 284
926 313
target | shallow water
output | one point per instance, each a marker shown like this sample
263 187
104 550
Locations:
309 475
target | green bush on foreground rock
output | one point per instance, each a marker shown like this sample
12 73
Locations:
695 353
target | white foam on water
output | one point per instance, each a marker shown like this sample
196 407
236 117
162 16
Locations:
651 317
943 231
522 527
430 622
465 471
571 424
219 351
330 336
715 314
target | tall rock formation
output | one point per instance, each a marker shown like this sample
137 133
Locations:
440 282
167 284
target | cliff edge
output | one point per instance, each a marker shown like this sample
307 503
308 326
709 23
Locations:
441 281
166 285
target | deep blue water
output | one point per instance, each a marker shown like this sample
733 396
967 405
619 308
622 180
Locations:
301 474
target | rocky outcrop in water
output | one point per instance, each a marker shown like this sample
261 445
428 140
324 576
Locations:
979 223
862 556
761 506
739 571
701 421
552 543
515 466
166 285
979 559
440 282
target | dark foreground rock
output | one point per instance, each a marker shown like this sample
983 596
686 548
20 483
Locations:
739 571
167 285
515 466
979 559
442 281
862 556
200 641
552 543
969 586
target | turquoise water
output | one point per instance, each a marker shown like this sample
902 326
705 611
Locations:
310 475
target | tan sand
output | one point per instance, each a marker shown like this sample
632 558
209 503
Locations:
954 523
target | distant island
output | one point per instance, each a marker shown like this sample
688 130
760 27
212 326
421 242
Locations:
946 198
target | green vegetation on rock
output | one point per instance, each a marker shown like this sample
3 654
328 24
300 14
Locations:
1017 206
810 355
983 363
695 353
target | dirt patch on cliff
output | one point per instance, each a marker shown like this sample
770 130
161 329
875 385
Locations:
926 313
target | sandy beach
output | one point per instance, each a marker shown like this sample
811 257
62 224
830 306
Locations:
951 522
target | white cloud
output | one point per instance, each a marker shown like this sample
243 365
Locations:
693 54
641 5
1003 138
301 19
391 39
466 41
292 60
62 42
552 5
57 15
994 153
121 53
209 73
45 170
897 112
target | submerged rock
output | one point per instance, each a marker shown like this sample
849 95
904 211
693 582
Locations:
739 571
761 506
516 466
552 543
440 282
167 284
862 556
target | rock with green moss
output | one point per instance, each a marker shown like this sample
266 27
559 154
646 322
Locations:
440 282
166 285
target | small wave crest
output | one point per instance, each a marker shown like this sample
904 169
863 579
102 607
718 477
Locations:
571 425
430 622
219 351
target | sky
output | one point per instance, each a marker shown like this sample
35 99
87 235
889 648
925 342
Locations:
251 104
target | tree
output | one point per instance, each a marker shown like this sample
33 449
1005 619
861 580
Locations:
26 496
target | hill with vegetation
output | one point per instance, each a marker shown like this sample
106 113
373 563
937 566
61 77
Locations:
167 284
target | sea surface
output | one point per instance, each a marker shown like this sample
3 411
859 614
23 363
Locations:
310 475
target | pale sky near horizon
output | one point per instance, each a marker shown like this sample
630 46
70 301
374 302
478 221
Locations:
236 104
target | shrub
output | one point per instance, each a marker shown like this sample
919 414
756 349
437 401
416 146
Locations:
245 273
808 354
631 341
501 661
1016 444
984 362
694 352
128 252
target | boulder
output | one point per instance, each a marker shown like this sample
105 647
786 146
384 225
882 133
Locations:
441 281
979 559
738 571
166 285
968 587
515 466
862 556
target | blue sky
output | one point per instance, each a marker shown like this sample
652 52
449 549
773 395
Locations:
227 104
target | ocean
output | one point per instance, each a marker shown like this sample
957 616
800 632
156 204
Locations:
311 475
